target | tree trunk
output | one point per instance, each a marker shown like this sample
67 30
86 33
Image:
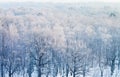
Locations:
67 70
10 74
83 73
39 71
39 67
73 74
112 66
74 71
101 73
2 56
30 75
2 70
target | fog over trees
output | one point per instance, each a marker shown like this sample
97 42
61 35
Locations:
64 40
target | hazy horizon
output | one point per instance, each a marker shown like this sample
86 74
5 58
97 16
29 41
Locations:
59 1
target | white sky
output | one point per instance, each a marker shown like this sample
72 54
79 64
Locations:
59 0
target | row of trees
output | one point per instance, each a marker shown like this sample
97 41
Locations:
30 47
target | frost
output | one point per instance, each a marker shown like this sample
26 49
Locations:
60 40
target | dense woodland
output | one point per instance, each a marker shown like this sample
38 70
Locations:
69 41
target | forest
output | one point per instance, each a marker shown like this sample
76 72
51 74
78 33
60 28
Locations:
60 40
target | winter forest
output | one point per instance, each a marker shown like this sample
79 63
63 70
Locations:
60 40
